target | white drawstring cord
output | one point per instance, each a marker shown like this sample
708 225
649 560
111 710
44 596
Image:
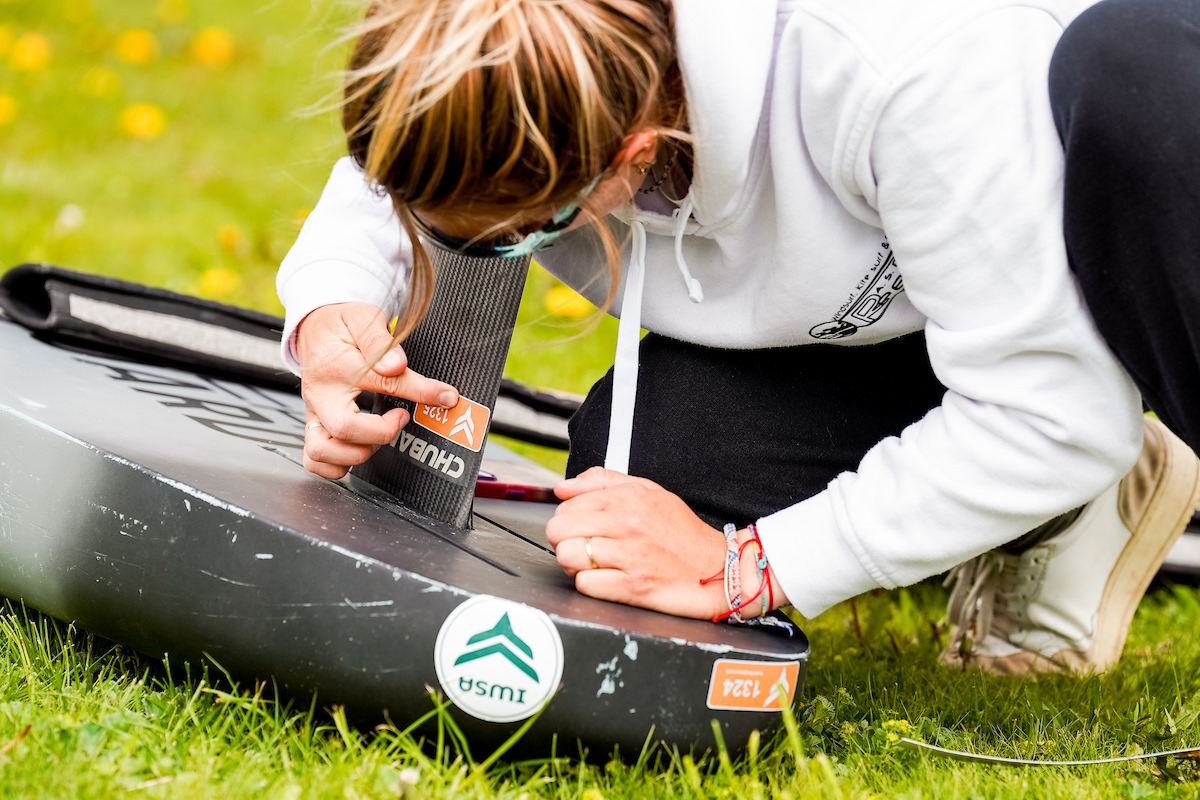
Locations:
625 365
681 216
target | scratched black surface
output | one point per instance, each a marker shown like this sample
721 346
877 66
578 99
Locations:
170 512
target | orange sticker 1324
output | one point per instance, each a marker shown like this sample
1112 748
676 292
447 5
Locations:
752 685
465 424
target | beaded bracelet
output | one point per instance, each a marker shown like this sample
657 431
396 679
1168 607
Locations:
765 591
733 573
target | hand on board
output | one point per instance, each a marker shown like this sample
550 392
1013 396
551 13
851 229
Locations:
631 541
345 349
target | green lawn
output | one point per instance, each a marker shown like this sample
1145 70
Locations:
180 144
82 718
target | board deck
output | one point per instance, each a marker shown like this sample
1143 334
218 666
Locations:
169 511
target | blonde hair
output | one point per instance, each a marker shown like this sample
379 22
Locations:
454 105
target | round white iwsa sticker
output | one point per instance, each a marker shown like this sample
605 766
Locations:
498 660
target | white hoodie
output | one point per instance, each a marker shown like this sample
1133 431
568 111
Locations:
864 169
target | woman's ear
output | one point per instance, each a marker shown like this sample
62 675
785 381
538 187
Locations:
639 149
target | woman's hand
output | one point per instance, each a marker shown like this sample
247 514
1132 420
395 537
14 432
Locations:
647 548
345 349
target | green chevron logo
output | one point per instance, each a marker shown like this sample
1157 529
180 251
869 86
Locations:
475 641
498 639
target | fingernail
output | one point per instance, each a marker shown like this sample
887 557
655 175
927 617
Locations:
391 360
448 398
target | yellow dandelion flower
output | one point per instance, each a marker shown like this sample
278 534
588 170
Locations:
143 121
77 10
230 238
99 82
171 12
30 52
136 46
6 40
212 47
563 301
219 282
8 109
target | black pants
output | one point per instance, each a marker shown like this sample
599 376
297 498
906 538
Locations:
1125 90
739 434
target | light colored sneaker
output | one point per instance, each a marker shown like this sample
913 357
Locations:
1064 601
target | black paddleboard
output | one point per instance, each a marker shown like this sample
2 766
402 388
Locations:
168 510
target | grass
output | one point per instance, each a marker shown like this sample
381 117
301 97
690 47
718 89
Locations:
201 188
82 717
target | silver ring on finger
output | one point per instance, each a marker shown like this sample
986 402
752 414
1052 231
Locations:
587 548
313 425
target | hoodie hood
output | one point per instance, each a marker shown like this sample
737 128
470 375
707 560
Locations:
725 54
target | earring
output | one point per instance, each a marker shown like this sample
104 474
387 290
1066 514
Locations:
644 167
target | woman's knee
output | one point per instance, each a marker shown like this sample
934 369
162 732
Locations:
1125 74
1120 50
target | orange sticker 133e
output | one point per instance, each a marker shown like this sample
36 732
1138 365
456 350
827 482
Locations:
465 424
752 685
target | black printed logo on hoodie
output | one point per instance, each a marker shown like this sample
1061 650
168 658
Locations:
869 301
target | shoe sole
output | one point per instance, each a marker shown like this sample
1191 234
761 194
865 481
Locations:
1149 543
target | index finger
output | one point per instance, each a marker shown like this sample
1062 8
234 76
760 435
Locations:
411 385
592 480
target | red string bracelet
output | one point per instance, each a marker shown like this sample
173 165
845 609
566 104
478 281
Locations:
736 607
766 589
